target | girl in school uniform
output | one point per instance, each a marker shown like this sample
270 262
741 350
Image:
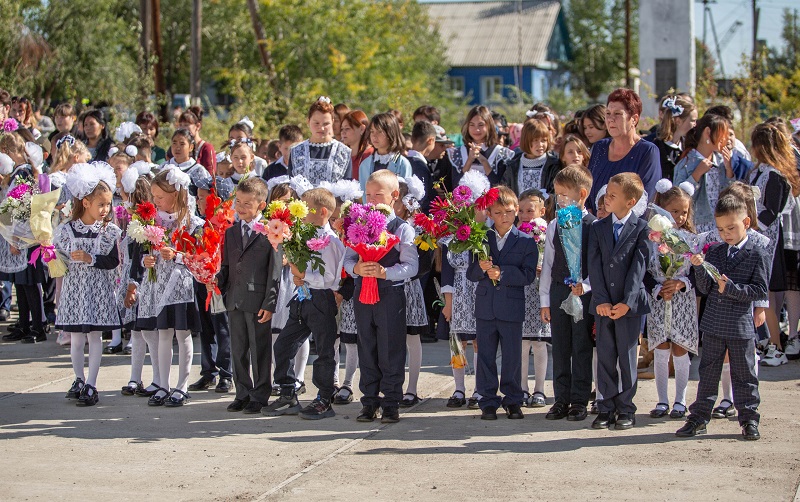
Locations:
321 157
87 305
183 146
192 121
386 136
167 306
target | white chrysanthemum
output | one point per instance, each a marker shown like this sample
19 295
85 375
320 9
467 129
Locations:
477 182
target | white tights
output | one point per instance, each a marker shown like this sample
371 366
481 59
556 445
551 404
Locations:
539 364
138 351
414 345
151 339
185 353
95 353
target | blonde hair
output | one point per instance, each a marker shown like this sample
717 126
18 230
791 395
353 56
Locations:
317 198
385 178
12 143
65 153
506 197
772 147
631 184
181 202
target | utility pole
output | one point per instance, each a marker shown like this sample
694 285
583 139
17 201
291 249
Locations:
158 66
197 25
756 12
628 78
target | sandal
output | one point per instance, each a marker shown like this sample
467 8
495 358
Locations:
131 390
538 400
127 350
472 403
677 412
410 401
143 392
155 399
339 399
174 402
659 411
455 401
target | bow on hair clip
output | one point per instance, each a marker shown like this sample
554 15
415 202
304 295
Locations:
82 178
35 154
324 99
664 185
300 185
246 121
530 114
178 179
673 108
125 131
278 180
69 138
128 179
223 157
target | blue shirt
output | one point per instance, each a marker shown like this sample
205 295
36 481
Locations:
643 159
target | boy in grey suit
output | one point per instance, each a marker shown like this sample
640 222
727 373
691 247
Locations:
727 323
250 276
618 255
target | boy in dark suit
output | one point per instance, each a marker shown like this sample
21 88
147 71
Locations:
500 307
317 314
727 323
572 341
250 276
618 254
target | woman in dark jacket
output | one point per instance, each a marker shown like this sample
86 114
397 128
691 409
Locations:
95 130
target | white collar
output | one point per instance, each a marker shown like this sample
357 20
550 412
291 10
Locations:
83 228
624 220
504 237
414 153
184 166
383 159
740 245
320 145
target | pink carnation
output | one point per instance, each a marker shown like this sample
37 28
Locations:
655 236
663 249
463 232
154 234
259 228
319 243
10 125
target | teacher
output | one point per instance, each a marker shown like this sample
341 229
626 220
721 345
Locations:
625 150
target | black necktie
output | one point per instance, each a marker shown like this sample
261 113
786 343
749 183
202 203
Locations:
732 252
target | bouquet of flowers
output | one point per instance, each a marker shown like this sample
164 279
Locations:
144 230
675 241
569 227
286 224
364 227
538 230
18 199
203 252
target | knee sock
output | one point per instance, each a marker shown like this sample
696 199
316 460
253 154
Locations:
185 353
682 365
526 360
337 358
350 363
95 353
151 339
539 365
414 345
116 337
138 349
661 370
597 395
76 349
458 377
300 362
727 390
164 356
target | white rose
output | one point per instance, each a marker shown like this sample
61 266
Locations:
659 223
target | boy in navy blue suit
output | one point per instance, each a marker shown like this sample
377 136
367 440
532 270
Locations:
727 323
500 307
618 254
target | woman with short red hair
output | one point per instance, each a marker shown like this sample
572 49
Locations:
624 151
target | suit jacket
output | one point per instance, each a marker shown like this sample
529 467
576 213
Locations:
730 314
550 168
616 271
505 301
250 275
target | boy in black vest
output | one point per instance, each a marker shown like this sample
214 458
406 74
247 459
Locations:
572 341
382 326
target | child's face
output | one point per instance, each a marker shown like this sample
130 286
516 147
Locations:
733 227
162 200
248 206
97 207
478 130
224 169
236 135
684 125
64 123
241 158
601 208
530 209
181 149
566 196
616 202
539 147
572 154
678 207
379 139
592 133
350 135
192 128
503 216
377 193
285 148
118 165
321 125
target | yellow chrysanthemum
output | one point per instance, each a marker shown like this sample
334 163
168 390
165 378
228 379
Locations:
298 209
385 209
275 205
382 240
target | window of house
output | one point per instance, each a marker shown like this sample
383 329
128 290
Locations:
491 89
457 86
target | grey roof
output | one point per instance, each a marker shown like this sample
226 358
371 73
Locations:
487 33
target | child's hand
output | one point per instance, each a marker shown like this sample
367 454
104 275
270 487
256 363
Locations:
619 310
447 311
264 316
80 256
577 289
486 264
296 272
604 310
697 259
130 298
722 282
538 271
759 316
297 281
167 254
545 315
210 286
149 261
493 273
14 251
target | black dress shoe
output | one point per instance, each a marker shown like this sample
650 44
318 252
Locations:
16 335
88 396
660 411
604 420
158 398
239 404
577 412
625 421
489 413
558 411
113 349
34 337
514 411
203 384
75 391
691 428
750 430
253 408
390 415
367 414
143 392
224 386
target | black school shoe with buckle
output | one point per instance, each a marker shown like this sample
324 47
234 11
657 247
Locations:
131 390
159 396
88 396
284 405
176 399
750 430
74 392
723 410
514 411
558 411
317 410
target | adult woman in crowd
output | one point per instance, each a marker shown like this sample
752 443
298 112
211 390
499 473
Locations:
593 124
95 130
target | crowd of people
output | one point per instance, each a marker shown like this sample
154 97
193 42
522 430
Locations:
594 299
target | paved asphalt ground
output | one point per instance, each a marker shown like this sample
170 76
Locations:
122 449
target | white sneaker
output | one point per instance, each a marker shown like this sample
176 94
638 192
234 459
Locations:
774 357
792 349
761 346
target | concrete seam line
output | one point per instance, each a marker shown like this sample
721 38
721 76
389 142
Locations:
336 453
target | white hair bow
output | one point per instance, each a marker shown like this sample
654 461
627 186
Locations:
177 178
246 121
82 178
324 99
125 131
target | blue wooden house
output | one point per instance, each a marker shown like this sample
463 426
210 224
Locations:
493 47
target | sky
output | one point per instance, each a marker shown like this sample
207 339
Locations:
725 13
